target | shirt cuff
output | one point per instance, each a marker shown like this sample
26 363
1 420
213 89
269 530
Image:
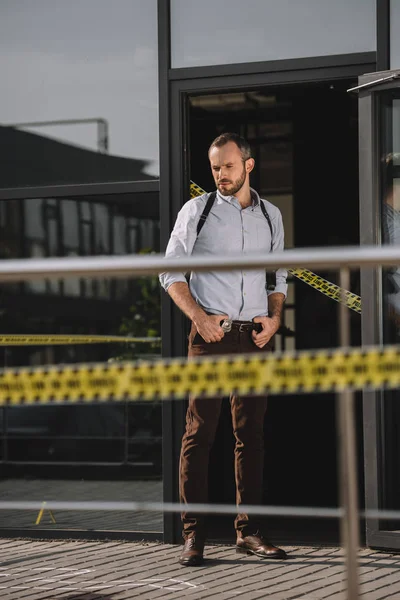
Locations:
167 279
280 288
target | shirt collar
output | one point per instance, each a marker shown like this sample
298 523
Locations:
254 196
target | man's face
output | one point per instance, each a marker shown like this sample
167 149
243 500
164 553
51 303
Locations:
228 168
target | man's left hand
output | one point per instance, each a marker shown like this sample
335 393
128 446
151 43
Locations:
270 326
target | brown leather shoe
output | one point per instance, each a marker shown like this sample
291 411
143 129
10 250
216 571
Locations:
259 546
192 553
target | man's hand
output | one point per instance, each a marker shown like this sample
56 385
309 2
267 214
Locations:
208 326
270 326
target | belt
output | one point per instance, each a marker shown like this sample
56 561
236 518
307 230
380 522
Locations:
246 326
243 325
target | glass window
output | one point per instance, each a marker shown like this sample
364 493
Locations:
109 451
390 234
213 32
79 91
391 212
394 35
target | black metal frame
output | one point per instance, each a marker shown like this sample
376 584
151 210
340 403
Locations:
298 66
369 285
86 189
371 291
175 87
370 226
170 319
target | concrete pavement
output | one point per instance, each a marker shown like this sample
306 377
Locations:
117 570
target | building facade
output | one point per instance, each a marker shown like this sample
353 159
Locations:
107 118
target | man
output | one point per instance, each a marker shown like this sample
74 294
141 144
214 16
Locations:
231 312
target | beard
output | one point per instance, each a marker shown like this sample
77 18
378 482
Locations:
232 188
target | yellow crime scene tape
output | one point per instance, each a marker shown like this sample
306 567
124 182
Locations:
330 370
44 340
324 286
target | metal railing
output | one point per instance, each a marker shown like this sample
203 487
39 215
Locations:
344 259
134 265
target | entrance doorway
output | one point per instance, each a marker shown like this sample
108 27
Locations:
304 139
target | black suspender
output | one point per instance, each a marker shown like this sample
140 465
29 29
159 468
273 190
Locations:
266 215
209 205
207 208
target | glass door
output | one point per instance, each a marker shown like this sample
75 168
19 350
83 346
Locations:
380 225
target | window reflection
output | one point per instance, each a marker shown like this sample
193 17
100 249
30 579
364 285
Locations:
391 235
390 232
79 105
103 225
37 228
79 100
123 435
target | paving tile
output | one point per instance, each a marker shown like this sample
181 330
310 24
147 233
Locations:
119 570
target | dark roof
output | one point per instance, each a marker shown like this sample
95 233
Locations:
29 159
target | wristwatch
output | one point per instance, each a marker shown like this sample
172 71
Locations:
226 325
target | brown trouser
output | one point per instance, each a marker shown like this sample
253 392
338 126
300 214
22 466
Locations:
201 423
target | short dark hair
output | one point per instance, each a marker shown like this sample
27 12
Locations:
240 142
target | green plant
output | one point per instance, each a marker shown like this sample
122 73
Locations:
144 318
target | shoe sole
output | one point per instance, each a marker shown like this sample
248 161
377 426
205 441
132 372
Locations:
259 555
192 564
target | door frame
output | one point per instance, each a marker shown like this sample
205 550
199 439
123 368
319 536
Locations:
371 292
175 87
173 332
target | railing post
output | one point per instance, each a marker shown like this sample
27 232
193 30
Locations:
350 535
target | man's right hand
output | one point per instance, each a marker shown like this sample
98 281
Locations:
209 327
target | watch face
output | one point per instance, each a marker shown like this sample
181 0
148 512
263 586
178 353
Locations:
226 325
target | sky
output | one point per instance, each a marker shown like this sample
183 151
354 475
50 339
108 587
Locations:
212 32
80 59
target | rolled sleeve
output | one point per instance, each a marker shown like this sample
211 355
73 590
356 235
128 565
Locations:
278 244
281 285
181 241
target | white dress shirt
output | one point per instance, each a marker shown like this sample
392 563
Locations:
228 229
